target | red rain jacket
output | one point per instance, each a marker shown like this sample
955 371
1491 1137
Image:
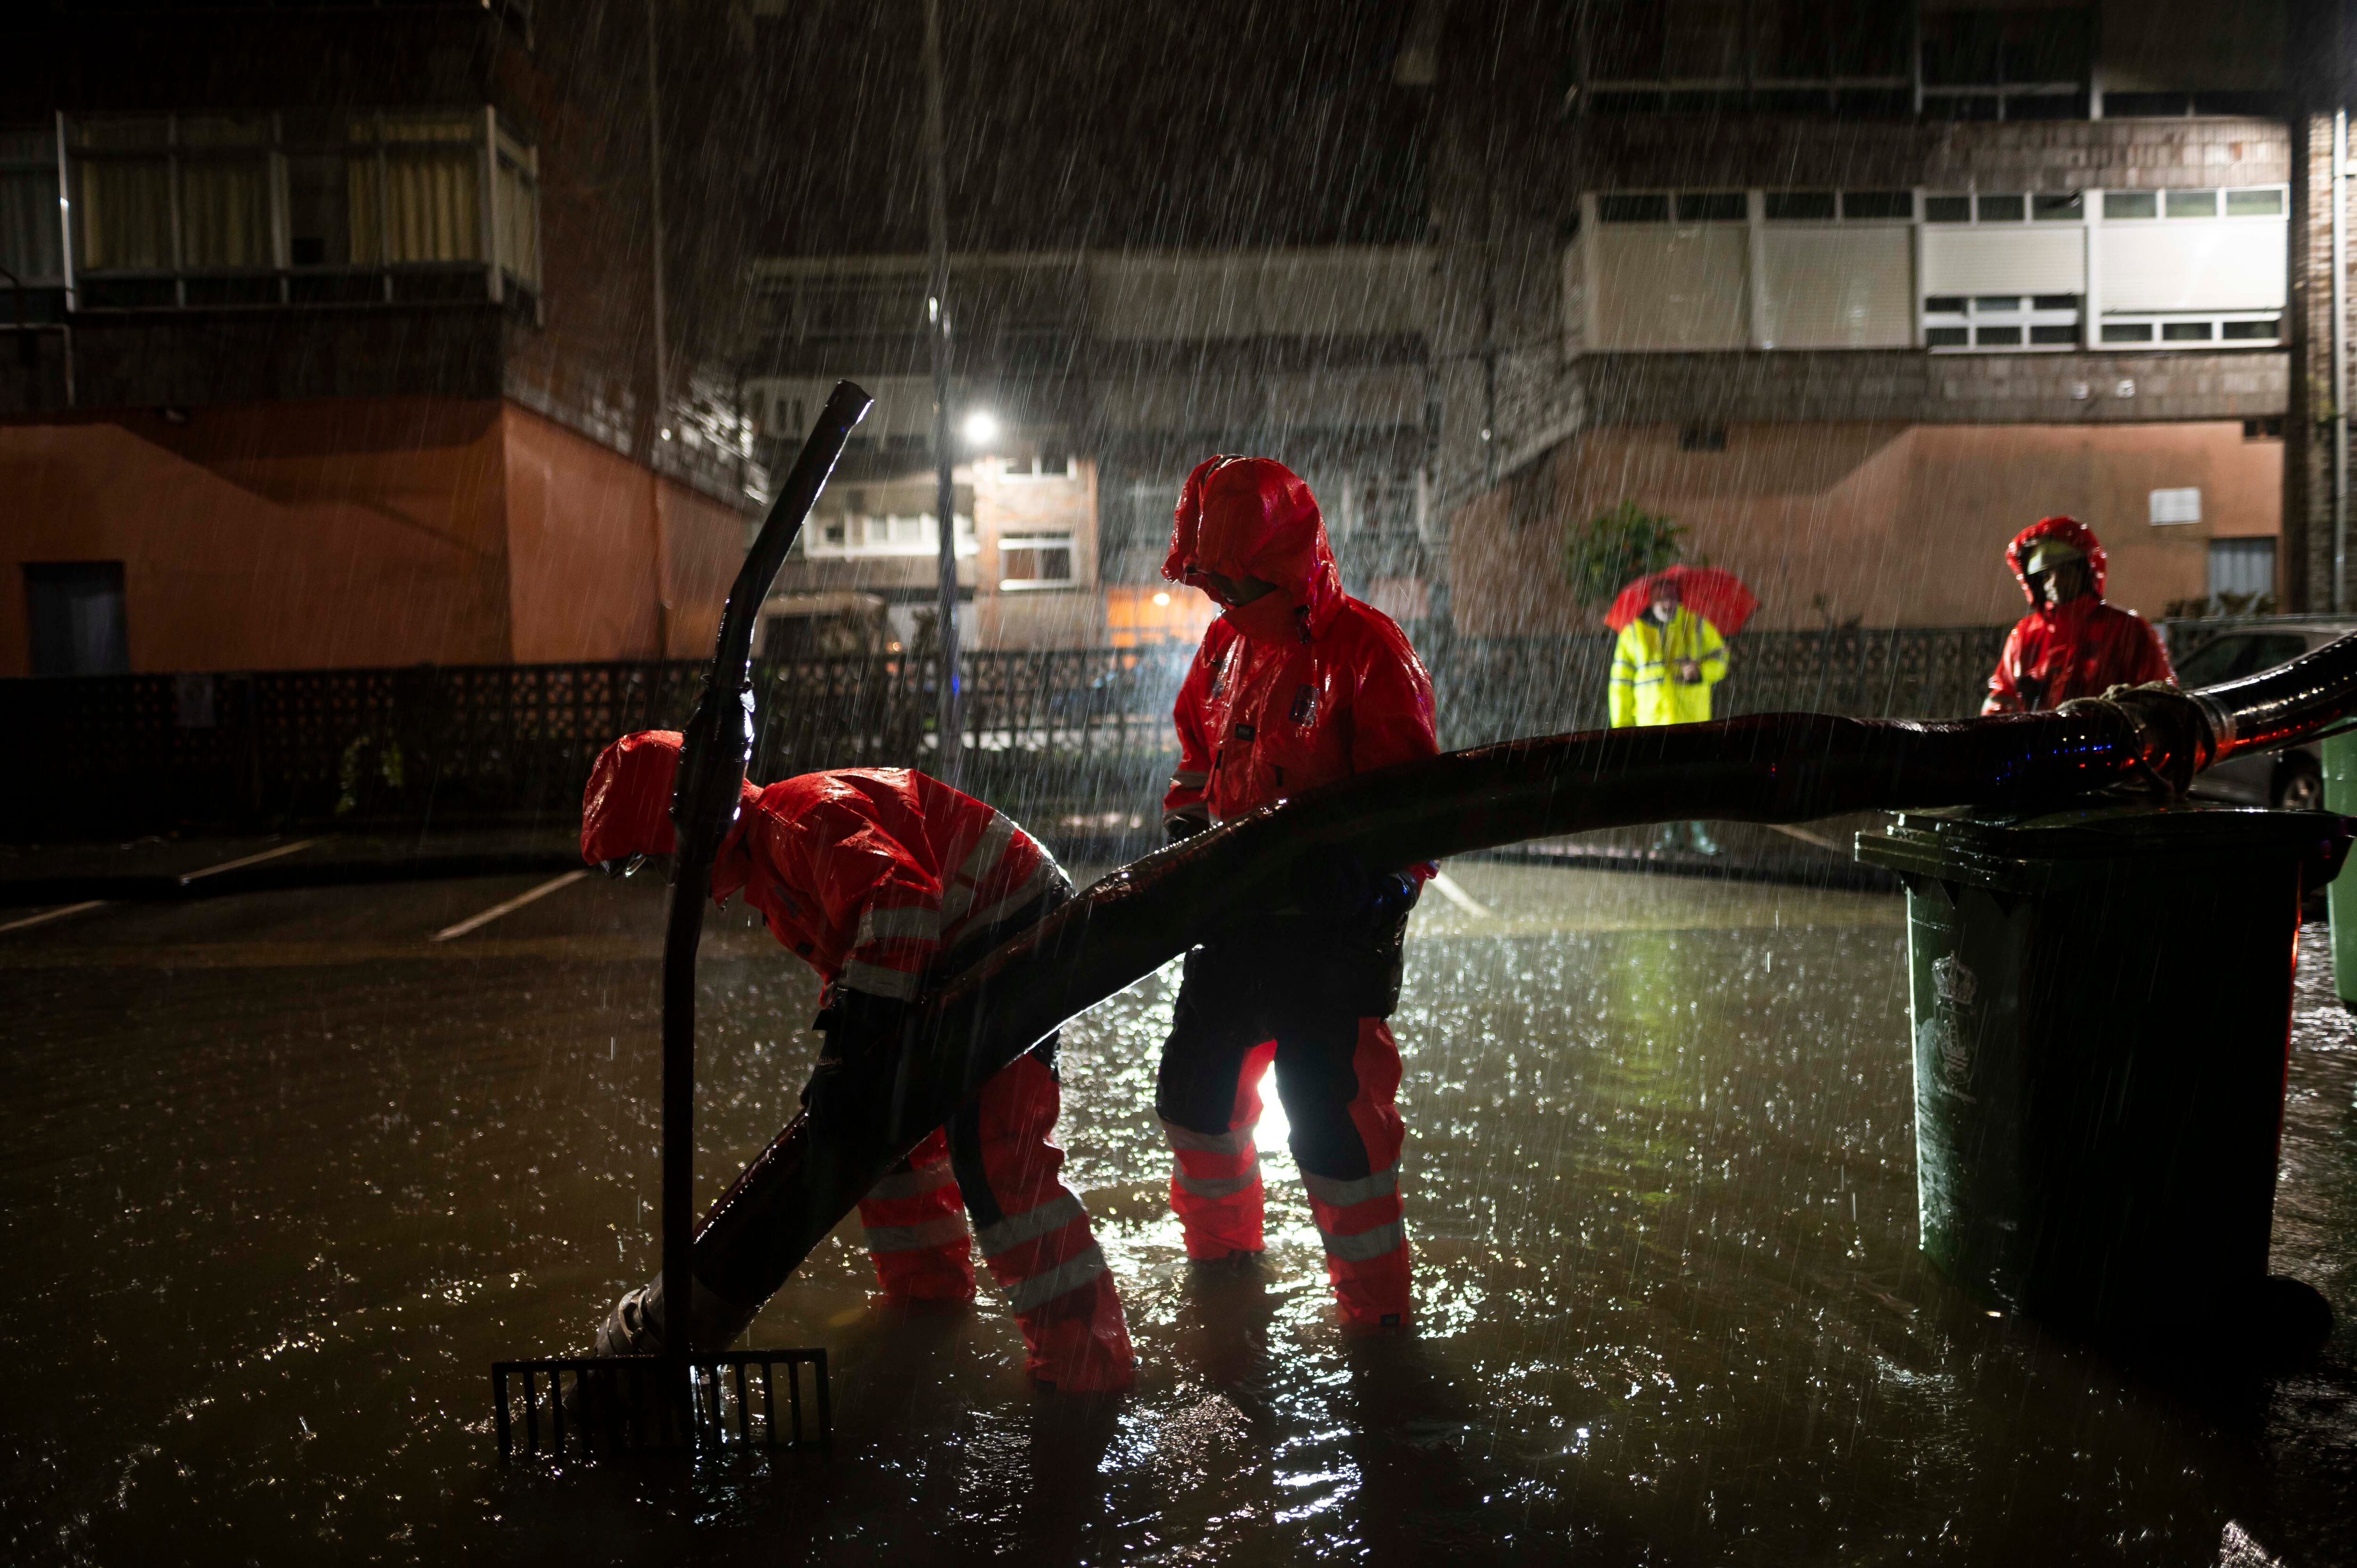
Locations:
2057 652
869 873
1302 686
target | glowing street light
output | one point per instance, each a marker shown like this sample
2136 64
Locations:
981 428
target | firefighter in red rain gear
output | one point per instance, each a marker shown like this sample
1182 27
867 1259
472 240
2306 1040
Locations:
2071 644
1296 684
882 878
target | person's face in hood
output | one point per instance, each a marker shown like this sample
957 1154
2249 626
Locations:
2063 582
1256 607
1665 602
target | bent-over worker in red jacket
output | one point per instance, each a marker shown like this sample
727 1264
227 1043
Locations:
882 878
1296 684
2071 644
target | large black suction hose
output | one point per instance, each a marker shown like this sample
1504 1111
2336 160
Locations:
1772 768
714 750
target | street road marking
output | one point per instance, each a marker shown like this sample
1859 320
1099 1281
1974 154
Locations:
496 910
1448 889
249 860
1807 837
46 915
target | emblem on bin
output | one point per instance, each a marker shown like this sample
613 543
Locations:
1953 981
1943 1034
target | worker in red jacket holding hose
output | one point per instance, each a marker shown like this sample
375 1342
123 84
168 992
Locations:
886 880
2071 644
1296 684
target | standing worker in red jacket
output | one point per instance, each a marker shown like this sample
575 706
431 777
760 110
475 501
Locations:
883 879
2071 644
1296 686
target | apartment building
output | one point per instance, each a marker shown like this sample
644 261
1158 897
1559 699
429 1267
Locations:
1856 291
1089 384
337 345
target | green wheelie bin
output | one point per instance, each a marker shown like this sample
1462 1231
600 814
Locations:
2340 898
2101 1000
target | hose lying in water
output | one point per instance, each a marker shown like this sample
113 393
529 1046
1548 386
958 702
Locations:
1772 768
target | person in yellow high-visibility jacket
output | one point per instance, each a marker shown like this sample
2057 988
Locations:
1663 670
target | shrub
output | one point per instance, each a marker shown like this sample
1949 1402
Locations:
1613 549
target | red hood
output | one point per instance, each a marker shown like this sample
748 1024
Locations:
626 810
2070 531
1253 517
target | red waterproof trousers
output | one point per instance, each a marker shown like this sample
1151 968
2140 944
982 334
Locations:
997 1156
1337 1073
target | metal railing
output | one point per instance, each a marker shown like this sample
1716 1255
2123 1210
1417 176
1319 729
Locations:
1072 737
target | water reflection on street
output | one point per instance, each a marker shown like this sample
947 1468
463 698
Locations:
278 1180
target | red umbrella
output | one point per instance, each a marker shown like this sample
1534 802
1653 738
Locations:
1719 597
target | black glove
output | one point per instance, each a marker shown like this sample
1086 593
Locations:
867 1036
1337 886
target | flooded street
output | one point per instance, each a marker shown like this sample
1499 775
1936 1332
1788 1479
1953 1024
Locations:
280 1177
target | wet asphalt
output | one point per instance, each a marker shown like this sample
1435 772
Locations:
281 1174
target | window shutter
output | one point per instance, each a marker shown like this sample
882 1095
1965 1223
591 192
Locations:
2006 259
1838 288
2194 265
1662 288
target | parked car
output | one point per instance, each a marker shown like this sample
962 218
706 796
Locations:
2292 779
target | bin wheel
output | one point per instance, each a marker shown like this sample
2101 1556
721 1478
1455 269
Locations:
2278 1321
2299 785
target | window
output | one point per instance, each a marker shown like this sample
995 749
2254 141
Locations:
2001 321
1800 206
2187 268
1655 284
1046 465
1034 560
2243 567
2009 64
1712 207
32 237
1859 204
76 612
2006 271
893 519
1790 57
1651 208
2176 105
303 208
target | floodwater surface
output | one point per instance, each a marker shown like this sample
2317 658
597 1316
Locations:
280 1177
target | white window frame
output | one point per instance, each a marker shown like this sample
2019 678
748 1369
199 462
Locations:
924 536
2086 317
2158 321
1040 540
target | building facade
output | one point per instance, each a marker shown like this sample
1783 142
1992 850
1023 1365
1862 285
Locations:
1087 384
1853 292
338 344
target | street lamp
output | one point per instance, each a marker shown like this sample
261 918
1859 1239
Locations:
981 428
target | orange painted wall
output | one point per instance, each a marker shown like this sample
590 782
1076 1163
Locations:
271 537
1898 525
355 532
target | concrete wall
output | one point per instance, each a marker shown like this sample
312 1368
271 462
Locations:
1898 524
607 559
364 531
